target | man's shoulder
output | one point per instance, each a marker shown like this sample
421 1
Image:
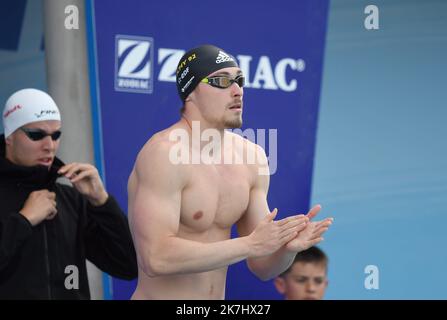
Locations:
157 147
247 145
161 141
155 156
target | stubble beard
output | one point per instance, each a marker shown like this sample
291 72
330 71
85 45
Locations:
233 123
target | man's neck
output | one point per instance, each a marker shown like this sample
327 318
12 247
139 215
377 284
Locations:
203 134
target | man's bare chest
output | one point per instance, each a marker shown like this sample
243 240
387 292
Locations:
216 196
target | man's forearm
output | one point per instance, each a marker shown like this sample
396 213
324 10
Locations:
268 267
178 256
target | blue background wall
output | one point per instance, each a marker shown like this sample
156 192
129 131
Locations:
381 157
128 119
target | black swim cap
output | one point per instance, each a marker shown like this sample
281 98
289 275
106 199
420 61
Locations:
197 63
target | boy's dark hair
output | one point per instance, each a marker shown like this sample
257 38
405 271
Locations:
312 255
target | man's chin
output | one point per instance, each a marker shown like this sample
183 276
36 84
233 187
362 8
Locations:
233 124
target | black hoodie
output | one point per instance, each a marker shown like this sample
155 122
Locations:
40 262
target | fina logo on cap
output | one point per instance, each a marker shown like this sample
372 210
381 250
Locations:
223 57
45 113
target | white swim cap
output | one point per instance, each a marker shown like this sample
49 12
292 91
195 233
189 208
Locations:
27 106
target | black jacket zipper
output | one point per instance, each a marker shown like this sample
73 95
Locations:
47 261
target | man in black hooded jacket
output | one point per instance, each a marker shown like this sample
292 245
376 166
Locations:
49 229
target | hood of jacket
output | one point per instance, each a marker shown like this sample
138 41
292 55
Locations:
39 175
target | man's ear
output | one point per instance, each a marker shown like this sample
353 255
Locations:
8 140
188 98
280 285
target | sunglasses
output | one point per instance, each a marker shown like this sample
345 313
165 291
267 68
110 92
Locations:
38 134
224 82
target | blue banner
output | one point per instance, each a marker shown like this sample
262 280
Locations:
279 48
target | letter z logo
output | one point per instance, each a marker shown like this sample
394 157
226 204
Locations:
134 58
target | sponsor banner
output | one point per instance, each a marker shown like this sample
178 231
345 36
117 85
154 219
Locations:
279 49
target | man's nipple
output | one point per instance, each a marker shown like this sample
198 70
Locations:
198 215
